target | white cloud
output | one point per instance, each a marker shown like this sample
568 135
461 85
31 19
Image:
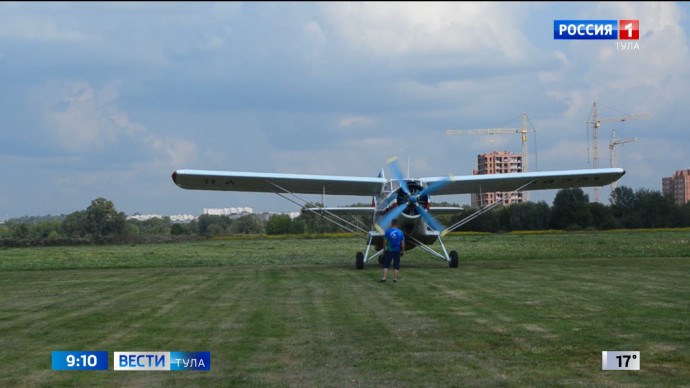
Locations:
659 67
79 125
92 120
15 24
179 152
354 121
430 28
325 88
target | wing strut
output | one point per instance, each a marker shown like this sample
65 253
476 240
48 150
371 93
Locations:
428 249
481 211
345 224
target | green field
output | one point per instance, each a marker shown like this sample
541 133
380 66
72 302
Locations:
521 310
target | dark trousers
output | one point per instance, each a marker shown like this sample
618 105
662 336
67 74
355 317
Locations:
393 256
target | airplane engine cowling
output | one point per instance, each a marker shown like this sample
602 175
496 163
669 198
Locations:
412 199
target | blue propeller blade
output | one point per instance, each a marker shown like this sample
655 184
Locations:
412 200
435 186
388 217
435 225
398 175
388 200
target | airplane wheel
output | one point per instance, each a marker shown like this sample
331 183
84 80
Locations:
453 259
359 261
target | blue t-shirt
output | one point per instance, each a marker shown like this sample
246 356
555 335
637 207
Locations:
394 238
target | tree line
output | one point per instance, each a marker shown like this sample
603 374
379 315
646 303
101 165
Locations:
102 223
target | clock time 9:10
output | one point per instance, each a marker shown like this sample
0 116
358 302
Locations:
89 360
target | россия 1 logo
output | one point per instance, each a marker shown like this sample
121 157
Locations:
623 29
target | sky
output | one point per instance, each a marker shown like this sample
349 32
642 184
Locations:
107 99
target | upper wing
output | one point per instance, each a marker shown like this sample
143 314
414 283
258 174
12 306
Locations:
545 180
277 183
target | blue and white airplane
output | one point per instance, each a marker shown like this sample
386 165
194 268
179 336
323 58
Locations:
402 198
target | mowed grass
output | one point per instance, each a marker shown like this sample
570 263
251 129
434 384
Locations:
520 310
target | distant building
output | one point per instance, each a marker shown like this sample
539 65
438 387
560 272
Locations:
144 217
177 218
497 163
232 212
265 216
182 218
677 186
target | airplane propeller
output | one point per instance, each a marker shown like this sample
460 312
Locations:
412 199
398 174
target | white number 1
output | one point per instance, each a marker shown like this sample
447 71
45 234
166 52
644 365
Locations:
629 28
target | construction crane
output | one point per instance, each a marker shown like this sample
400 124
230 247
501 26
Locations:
612 147
596 123
501 131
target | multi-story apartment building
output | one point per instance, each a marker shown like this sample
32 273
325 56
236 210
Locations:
677 186
497 163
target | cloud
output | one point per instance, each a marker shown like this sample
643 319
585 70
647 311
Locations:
126 92
17 24
354 121
91 121
430 28
179 152
90 118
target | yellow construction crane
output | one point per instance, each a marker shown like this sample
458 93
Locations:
501 131
612 147
596 123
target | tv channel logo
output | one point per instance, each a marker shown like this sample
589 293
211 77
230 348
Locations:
162 361
623 29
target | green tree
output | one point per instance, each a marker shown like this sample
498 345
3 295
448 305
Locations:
602 216
20 231
74 225
683 215
316 222
622 205
248 224
279 224
103 220
154 226
528 216
180 229
47 229
206 220
571 210
215 230
653 209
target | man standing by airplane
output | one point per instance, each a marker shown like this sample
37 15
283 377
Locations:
394 248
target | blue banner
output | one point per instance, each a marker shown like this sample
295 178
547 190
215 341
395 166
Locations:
80 360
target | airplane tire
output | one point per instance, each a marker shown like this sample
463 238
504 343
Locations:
359 260
453 259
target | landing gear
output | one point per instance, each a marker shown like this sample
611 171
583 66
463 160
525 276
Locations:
359 260
453 263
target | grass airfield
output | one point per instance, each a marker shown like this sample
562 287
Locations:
522 309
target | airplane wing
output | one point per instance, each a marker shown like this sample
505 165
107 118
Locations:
277 183
344 210
371 210
445 210
341 211
545 180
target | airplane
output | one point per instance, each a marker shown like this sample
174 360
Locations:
406 199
